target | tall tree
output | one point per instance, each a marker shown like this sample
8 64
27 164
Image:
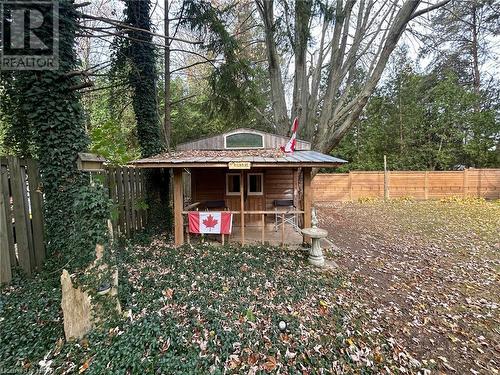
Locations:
44 106
167 122
139 50
461 38
364 35
136 56
422 121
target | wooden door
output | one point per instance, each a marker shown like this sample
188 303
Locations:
233 204
254 203
254 197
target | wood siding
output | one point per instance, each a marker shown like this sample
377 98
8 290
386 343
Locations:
271 141
278 184
210 184
416 184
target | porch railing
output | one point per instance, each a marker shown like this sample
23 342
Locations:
263 214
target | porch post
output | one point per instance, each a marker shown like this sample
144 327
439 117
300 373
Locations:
307 198
242 207
178 206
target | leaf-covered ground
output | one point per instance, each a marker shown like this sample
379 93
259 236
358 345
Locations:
427 274
417 292
200 310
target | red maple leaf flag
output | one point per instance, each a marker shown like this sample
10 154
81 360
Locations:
210 222
290 146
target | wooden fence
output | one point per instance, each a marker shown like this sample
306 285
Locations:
21 211
127 190
21 220
420 185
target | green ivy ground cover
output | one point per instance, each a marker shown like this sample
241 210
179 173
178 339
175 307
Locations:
197 310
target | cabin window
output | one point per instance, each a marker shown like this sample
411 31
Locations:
255 184
233 184
244 140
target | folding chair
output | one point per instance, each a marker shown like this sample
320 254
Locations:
282 215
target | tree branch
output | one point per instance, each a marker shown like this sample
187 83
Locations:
429 9
128 27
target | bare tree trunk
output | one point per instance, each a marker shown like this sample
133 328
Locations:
338 126
300 90
277 89
325 99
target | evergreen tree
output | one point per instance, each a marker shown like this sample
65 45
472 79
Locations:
423 121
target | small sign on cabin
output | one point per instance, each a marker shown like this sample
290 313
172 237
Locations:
239 165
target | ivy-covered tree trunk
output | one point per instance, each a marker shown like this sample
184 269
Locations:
76 210
142 78
45 107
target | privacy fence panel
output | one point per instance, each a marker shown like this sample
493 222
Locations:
328 187
22 240
21 217
126 188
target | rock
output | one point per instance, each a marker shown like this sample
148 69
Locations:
77 309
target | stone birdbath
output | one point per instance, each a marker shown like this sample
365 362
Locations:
316 253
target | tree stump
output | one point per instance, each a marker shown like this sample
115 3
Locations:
77 309
80 311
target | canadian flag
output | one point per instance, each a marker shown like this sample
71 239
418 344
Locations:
290 146
210 222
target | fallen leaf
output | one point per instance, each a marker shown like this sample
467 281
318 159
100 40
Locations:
270 364
84 367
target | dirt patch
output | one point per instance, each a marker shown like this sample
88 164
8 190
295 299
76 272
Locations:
427 275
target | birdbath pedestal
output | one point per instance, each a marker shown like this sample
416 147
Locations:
316 253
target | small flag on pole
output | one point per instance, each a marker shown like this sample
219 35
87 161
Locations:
290 146
210 222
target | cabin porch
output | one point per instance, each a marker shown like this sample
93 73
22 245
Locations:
250 195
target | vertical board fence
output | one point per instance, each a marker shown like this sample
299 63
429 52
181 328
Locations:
21 217
127 190
22 241
420 185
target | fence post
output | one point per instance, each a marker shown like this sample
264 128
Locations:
4 180
126 198
36 212
133 202
465 183
5 261
112 196
143 197
138 199
386 180
21 221
120 200
426 185
350 186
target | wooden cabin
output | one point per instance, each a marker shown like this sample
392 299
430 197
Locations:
245 172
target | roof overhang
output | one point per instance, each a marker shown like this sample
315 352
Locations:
223 159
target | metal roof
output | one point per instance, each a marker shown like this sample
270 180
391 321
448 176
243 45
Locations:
221 158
